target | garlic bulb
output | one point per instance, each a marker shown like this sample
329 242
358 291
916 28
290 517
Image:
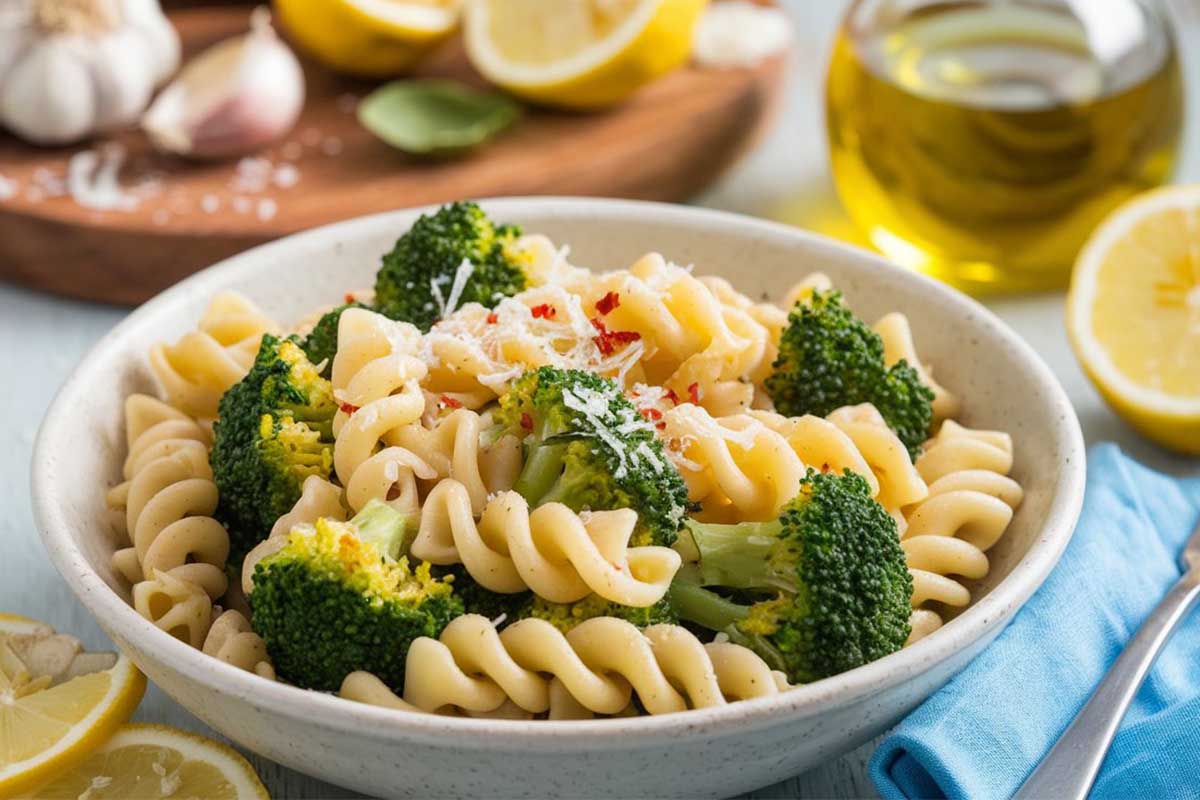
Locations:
73 68
233 98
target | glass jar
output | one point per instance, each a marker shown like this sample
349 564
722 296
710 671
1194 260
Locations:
981 142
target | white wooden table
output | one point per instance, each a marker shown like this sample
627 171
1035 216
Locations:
41 338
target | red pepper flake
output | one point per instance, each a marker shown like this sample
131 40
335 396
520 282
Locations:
650 413
349 298
492 319
825 467
607 340
544 311
348 408
694 393
450 402
662 426
526 421
670 395
607 303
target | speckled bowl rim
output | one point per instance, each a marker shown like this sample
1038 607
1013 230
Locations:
304 706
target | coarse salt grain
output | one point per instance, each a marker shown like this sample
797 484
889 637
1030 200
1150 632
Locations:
266 209
331 146
242 205
210 203
8 188
286 176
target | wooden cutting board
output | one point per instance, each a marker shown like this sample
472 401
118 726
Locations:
667 143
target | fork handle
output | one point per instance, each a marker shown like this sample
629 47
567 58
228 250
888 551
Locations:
1071 766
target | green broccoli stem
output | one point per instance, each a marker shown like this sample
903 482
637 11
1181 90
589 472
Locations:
383 527
541 470
710 610
738 556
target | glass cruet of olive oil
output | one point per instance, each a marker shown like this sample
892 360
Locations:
981 141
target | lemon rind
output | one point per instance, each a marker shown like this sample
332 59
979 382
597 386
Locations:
476 17
123 695
1082 298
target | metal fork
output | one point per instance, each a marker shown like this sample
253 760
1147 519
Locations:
1070 768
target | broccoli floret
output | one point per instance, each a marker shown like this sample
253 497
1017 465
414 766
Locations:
334 600
478 600
418 276
565 616
320 346
587 447
830 579
829 358
273 430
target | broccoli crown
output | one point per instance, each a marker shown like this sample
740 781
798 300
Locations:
331 602
425 269
839 590
566 616
273 430
829 358
478 600
589 448
320 346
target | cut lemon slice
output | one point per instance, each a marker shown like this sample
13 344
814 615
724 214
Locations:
578 53
371 38
157 761
1133 314
57 703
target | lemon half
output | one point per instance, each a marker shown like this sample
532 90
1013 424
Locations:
1133 314
157 761
369 38
580 54
49 719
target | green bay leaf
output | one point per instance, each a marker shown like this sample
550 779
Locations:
435 117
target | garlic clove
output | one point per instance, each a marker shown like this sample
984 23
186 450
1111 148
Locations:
47 97
233 98
158 35
123 88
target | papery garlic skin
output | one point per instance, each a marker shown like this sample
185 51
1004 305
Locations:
59 86
232 99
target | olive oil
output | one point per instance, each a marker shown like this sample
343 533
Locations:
982 142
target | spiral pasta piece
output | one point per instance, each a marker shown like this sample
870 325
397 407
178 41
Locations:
594 668
196 370
376 379
820 444
453 448
970 504
231 640
168 499
558 554
177 606
900 483
898 345
736 467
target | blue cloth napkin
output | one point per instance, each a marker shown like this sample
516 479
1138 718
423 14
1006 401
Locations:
980 736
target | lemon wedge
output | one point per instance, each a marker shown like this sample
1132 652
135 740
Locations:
57 703
157 761
580 54
1133 314
369 38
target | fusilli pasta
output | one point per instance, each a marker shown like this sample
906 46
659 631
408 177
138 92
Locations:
562 556
597 665
168 500
970 503
196 370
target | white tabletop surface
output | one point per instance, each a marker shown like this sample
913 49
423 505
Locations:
41 339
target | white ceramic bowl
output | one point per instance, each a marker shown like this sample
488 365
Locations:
711 752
